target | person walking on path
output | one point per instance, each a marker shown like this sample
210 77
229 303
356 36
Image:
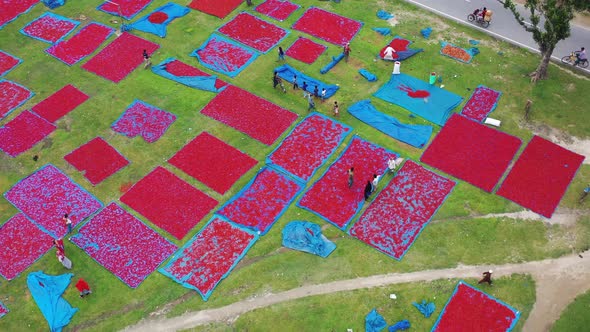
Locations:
336 109
316 92
281 54
310 102
304 88
147 59
368 190
295 84
350 177
487 277
346 51
68 222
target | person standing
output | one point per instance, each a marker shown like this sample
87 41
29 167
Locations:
368 190
276 80
346 51
304 88
316 92
295 84
350 177
487 277
310 102
147 59
336 109
281 54
324 94
376 179
68 222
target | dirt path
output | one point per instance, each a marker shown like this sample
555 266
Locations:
564 217
558 282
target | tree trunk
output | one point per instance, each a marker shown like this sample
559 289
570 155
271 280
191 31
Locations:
541 72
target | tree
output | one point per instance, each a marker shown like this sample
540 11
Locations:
550 23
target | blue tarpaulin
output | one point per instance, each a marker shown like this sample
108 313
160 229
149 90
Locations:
425 308
384 15
427 101
399 326
334 62
47 291
306 236
52 4
383 31
368 75
170 9
287 72
206 83
374 322
415 135
426 32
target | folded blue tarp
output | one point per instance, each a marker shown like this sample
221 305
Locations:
383 31
368 75
306 236
47 291
415 135
427 101
52 4
334 62
206 83
374 322
402 325
426 308
287 72
384 15
159 29
426 32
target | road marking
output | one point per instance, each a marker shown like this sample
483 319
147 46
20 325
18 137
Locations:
512 41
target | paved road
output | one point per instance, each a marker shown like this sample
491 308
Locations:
503 24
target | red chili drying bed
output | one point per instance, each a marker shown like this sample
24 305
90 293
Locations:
22 244
169 202
305 50
541 176
254 32
250 114
60 103
120 57
328 26
97 160
471 152
23 132
213 162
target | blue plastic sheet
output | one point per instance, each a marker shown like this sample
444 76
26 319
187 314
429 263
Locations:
384 15
383 31
399 326
436 108
374 322
206 83
333 63
425 308
159 29
306 236
473 51
426 32
47 291
287 72
368 75
52 4
415 135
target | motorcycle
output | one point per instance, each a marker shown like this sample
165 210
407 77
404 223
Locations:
479 19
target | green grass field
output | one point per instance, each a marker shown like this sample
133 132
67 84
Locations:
458 237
